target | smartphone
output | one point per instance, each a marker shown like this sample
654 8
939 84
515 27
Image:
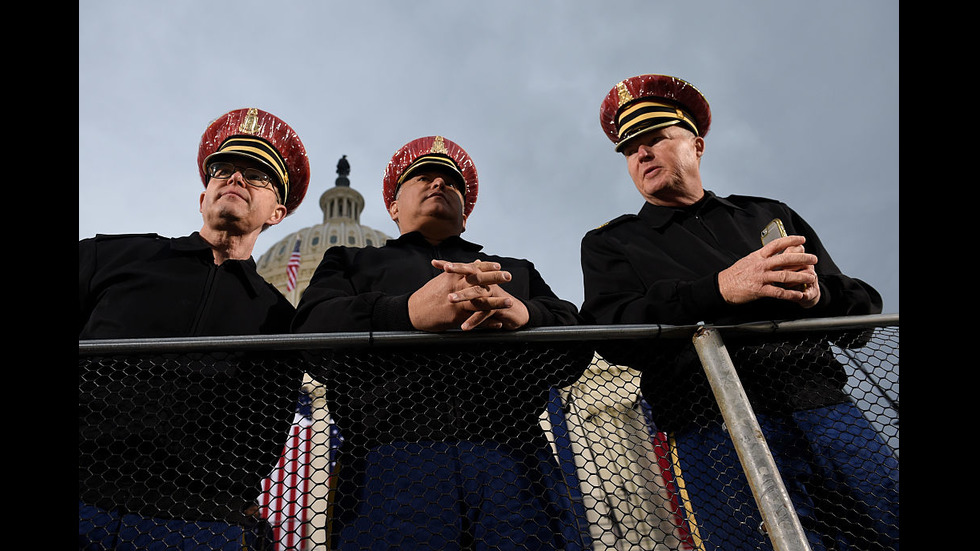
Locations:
773 230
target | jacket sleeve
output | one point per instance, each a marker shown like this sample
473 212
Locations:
332 303
544 307
840 295
86 269
616 294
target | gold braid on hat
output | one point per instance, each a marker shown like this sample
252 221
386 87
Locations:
648 114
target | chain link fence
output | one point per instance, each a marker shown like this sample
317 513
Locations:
605 438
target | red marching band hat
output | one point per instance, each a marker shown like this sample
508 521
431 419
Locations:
261 136
645 103
431 151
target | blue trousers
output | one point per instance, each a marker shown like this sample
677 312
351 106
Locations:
101 530
841 478
464 495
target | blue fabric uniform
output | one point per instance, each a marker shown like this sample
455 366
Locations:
841 478
464 496
115 531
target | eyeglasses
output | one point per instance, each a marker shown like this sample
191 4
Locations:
253 176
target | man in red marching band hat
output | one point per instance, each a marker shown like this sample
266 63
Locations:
144 475
689 256
430 188
454 433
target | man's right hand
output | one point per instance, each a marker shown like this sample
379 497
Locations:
461 294
780 269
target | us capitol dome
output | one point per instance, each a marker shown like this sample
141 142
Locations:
341 206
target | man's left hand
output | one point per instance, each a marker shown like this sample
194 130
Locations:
811 293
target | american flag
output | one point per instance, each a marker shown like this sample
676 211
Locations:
285 495
292 267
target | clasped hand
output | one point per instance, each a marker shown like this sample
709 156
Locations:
466 296
781 269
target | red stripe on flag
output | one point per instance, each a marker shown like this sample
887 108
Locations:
285 492
292 267
661 447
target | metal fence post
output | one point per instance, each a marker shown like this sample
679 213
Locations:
782 523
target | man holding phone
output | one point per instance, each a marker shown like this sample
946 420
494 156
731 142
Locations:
689 256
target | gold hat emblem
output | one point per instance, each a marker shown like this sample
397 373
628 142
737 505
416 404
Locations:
624 94
251 122
439 146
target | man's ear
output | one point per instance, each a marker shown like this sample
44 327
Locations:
200 206
393 211
277 215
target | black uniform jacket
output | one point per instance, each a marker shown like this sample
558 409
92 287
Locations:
430 393
150 286
661 266
367 289
178 435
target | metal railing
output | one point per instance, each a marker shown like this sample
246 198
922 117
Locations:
198 428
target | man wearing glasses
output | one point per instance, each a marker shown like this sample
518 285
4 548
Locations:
172 450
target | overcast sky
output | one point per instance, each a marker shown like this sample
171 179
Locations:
804 99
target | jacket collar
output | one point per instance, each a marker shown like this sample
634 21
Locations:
416 238
658 216
194 244
190 243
